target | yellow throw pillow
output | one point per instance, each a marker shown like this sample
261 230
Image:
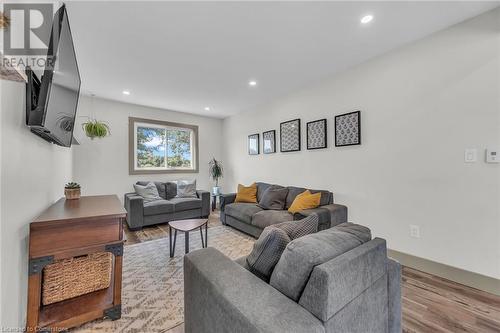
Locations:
305 200
247 193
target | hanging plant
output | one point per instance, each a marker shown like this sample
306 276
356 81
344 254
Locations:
96 129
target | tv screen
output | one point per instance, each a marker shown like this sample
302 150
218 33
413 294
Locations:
53 101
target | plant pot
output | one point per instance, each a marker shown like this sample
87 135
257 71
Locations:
216 190
72 193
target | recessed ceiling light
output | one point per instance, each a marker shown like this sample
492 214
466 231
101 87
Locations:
366 19
252 83
126 92
207 108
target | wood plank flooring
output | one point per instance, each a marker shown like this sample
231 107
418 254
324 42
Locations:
430 303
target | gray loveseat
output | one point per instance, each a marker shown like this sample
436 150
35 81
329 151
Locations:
352 287
252 219
140 214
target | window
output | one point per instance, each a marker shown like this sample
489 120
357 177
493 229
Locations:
162 147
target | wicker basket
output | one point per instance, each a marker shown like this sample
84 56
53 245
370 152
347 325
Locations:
73 277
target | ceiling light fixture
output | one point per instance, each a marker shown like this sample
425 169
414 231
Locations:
207 108
252 83
366 19
126 92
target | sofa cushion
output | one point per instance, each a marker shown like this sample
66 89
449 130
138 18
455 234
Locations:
186 189
302 254
246 194
268 248
305 200
242 211
159 186
158 207
148 192
326 197
267 251
182 204
294 191
261 188
170 190
265 218
273 198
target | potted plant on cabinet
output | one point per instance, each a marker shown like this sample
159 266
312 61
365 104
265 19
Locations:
72 191
216 172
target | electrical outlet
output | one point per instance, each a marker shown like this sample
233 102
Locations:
414 231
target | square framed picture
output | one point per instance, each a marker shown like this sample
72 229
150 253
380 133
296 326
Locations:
269 142
253 144
348 129
317 134
290 136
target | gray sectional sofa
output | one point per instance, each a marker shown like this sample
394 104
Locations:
140 214
252 219
330 281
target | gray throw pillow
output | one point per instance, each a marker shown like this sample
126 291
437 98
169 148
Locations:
148 192
272 242
186 189
274 198
291 273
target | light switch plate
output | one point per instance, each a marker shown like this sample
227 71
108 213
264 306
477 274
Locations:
492 156
414 231
470 155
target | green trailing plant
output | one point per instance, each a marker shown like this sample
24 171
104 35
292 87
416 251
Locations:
96 129
72 185
216 170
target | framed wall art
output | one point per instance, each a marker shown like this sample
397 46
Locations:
316 134
290 136
269 142
253 144
348 129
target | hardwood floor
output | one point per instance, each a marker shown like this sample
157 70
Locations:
434 304
430 303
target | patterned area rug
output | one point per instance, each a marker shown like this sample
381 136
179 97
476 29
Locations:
153 286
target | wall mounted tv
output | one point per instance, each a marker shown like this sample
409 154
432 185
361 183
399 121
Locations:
51 102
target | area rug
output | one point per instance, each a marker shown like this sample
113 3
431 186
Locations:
153 286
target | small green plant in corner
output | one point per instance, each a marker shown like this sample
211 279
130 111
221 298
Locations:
94 128
72 185
72 191
216 171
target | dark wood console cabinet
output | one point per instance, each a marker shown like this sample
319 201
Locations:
71 228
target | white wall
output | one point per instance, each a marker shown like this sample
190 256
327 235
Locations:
33 174
421 106
101 165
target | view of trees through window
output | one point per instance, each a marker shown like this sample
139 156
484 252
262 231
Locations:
168 148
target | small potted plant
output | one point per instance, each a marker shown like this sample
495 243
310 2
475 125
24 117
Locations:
72 191
216 172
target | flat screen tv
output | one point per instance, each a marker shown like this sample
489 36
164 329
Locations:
51 102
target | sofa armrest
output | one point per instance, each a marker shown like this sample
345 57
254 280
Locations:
226 199
329 215
205 202
134 205
222 296
394 294
346 277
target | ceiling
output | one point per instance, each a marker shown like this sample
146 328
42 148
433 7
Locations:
187 56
